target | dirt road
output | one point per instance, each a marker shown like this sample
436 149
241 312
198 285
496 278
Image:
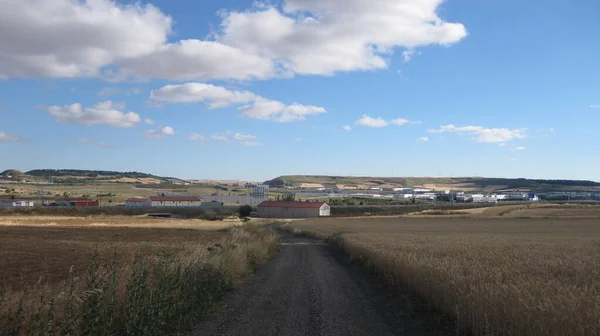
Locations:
309 289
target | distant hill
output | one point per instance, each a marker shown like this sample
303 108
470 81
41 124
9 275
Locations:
83 176
437 183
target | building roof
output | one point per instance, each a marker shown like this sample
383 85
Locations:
176 198
277 204
137 200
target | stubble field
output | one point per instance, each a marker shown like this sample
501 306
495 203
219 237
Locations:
74 276
495 276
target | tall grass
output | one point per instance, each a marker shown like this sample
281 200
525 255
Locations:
151 295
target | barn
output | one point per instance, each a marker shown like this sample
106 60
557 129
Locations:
175 201
276 209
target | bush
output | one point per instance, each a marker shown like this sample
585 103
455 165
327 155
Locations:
245 211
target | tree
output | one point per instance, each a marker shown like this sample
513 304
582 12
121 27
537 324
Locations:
244 211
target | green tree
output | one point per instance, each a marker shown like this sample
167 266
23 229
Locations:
244 211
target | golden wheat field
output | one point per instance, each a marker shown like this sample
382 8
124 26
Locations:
494 276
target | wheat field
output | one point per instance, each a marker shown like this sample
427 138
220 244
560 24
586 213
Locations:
494 276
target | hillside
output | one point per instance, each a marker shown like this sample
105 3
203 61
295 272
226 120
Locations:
86 176
437 183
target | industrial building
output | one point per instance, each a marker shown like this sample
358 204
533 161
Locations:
175 201
77 202
15 203
276 209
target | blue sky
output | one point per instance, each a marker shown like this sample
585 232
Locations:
247 90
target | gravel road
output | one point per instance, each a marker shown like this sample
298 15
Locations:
309 289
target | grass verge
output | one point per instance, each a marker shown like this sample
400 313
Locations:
151 294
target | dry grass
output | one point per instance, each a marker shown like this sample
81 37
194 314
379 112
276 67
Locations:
495 276
55 280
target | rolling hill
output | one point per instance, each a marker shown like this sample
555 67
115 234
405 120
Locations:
437 183
86 176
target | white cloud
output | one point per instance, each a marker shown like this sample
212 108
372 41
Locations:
347 128
149 121
160 133
67 38
219 137
84 140
371 122
214 96
502 144
595 106
482 134
402 122
278 112
242 136
74 38
108 91
407 55
327 36
256 107
196 60
516 149
107 113
251 144
423 139
196 137
10 138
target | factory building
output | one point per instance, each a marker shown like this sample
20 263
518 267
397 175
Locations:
276 209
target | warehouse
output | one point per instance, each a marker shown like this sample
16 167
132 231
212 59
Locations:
15 203
275 209
175 201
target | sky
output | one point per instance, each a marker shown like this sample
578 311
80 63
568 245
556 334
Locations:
251 90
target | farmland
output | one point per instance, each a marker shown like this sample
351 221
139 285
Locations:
493 275
61 273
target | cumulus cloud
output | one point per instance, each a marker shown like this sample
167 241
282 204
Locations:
160 133
242 136
213 96
66 38
108 113
371 122
347 128
220 137
327 36
278 112
402 122
517 149
149 121
74 38
423 139
482 134
10 138
253 106
251 143
196 137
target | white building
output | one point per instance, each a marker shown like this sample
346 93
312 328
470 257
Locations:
175 201
275 209
15 203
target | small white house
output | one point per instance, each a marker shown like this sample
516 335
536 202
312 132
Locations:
15 203
175 201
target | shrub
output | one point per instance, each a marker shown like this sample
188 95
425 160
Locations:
245 211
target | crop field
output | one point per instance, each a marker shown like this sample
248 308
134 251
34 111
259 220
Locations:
60 278
495 276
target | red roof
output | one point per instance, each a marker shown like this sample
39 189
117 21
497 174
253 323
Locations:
176 198
137 200
277 204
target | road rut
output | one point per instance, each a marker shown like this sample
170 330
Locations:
308 289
